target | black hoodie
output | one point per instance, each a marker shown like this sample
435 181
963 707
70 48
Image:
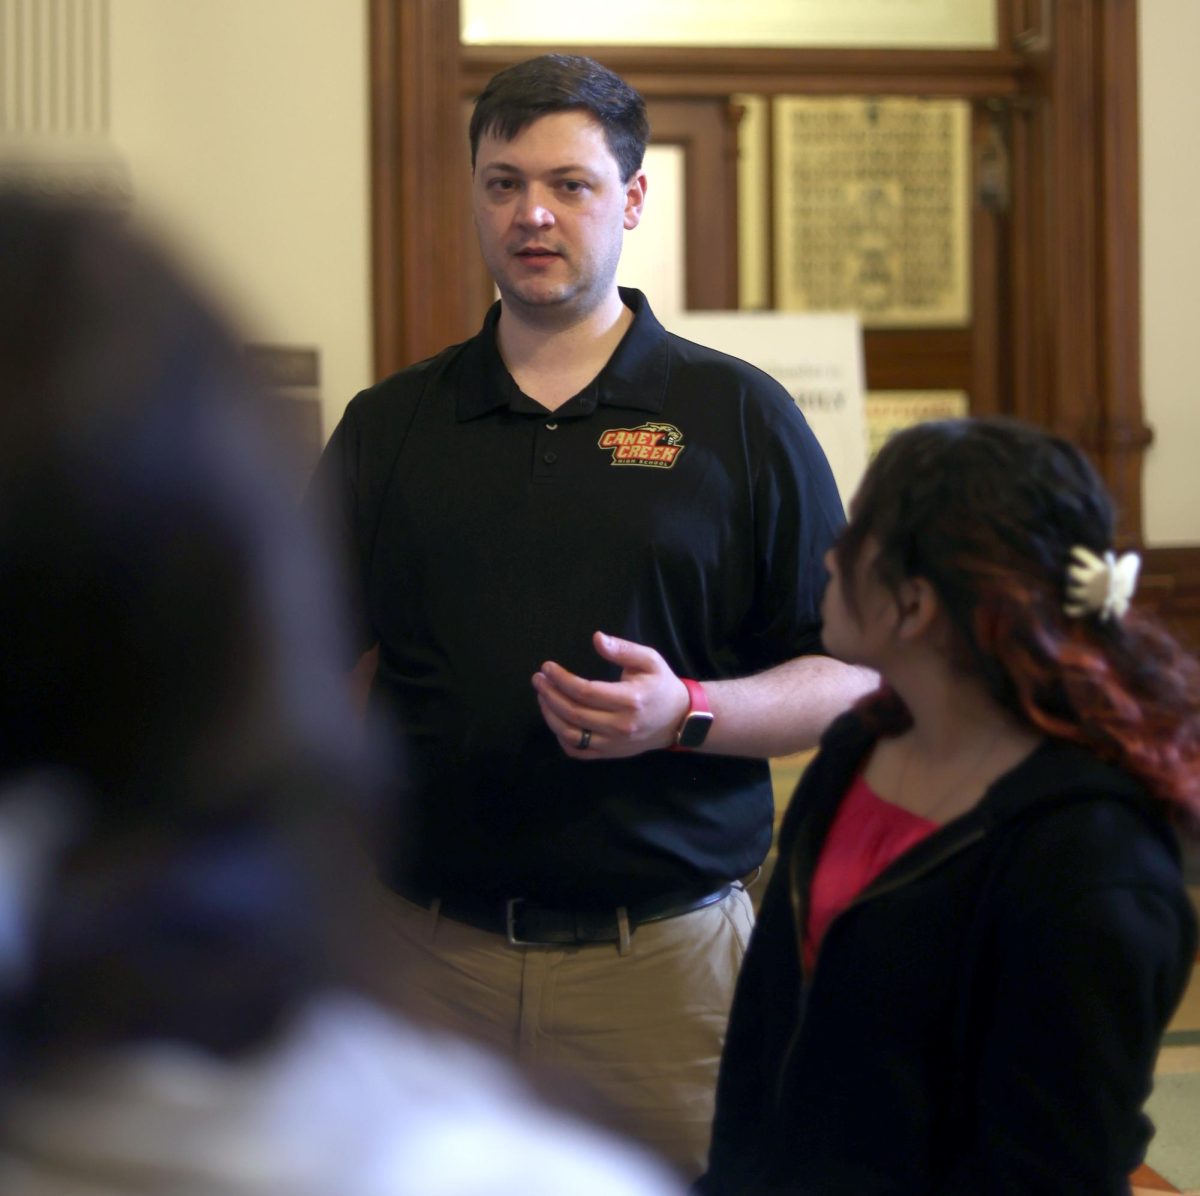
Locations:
983 1018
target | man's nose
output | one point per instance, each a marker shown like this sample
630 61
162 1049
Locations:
534 210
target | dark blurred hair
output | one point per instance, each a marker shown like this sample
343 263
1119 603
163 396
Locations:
167 656
988 511
520 94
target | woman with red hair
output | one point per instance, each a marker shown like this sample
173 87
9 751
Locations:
977 928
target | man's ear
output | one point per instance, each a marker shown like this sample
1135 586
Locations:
635 197
919 608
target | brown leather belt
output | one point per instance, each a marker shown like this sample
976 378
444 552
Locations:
526 923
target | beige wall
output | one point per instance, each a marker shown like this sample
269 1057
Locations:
244 126
1170 121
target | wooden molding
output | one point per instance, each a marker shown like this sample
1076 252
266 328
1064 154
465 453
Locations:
1169 588
913 355
708 133
1075 253
714 70
1125 435
420 183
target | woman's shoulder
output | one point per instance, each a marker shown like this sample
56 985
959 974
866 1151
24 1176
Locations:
1072 833
1065 795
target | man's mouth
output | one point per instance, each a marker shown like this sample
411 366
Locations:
536 251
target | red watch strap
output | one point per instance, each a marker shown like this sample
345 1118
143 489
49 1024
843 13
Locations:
697 700
697 696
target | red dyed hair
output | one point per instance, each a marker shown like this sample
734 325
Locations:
988 512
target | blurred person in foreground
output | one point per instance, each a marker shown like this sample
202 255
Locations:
977 930
184 789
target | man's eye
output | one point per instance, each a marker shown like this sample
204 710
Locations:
501 185
573 186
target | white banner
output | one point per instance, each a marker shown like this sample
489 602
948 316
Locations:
816 356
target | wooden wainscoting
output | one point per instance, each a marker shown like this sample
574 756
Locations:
1170 588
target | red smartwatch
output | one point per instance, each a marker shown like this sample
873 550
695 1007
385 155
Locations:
696 723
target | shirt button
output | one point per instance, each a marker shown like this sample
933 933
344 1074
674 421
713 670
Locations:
549 458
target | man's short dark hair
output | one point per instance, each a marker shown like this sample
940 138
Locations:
520 94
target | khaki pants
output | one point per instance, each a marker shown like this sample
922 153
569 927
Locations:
641 1030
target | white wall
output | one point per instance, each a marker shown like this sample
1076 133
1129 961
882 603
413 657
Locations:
1170 147
245 127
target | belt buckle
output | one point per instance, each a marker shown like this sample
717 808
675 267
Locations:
510 923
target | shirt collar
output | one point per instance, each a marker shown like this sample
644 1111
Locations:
635 375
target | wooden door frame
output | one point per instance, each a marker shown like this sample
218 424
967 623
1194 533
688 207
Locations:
1065 69
419 183
705 128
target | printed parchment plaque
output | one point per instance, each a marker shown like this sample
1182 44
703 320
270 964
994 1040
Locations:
871 209
890 411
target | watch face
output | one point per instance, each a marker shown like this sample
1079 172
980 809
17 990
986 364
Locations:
695 729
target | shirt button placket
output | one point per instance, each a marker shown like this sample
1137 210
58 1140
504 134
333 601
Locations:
545 456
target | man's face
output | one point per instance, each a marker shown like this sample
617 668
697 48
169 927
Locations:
551 209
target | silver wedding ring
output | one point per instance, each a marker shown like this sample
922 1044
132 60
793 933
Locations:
585 738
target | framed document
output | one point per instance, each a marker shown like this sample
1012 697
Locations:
872 209
889 411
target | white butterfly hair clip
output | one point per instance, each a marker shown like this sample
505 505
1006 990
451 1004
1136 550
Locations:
1103 585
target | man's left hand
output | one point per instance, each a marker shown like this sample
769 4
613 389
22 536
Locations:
596 720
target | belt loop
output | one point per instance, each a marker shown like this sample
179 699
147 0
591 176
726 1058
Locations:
623 942
435 914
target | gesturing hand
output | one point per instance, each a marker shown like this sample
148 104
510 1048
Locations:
635 714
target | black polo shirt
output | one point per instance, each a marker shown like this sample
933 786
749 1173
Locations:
680 500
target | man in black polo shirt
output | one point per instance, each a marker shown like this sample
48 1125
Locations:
577 499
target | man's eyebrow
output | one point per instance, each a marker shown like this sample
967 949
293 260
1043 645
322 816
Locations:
509 168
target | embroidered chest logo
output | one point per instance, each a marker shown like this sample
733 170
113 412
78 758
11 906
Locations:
655 445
